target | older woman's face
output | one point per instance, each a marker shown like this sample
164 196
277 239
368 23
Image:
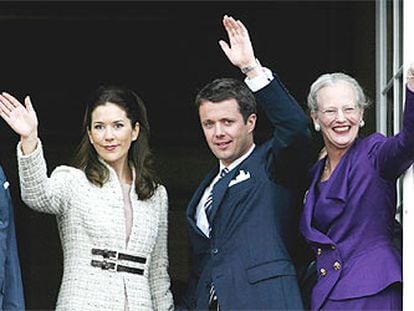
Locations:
338 115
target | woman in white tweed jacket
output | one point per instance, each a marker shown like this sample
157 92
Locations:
110 209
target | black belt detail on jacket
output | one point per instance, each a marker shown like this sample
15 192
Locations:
112 266
107 254
110 261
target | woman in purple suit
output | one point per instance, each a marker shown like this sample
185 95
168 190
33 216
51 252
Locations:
350 206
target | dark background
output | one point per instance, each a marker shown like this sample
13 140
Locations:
58 52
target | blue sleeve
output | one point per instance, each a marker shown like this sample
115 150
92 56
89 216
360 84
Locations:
12 288
289 122
291 136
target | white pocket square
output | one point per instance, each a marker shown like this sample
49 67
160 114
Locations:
243 175
6 185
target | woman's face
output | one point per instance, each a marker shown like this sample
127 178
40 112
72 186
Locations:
338 115
111 134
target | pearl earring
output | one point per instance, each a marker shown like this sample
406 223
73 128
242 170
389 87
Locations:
361 123
317 127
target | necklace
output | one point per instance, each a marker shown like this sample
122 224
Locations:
327 167
326 171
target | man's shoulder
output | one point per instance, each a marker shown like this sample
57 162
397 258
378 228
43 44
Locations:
261 149
4 184
260 156
2 175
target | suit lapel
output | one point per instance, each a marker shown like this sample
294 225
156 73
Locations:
222 185
192 206
220 189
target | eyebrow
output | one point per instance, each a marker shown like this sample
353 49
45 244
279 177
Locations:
343 106
116 121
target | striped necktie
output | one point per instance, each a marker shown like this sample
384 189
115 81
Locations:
209 202
207 206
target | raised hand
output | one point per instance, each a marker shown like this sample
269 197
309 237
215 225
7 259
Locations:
239 50
22 119
410 77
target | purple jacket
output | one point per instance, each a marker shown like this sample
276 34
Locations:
355 255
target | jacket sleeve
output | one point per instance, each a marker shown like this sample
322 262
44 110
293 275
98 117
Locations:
43 194
395 154
289 122
158 269
291 137
12 289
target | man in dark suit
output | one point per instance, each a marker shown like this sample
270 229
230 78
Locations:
11 290
242 218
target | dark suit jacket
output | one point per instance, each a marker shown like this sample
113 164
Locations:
253 221
11 290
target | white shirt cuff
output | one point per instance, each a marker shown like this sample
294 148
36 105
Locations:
257 83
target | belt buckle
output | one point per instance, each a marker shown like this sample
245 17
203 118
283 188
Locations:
109 265
107 254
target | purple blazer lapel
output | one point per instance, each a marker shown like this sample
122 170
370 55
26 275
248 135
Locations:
336 194
337 185
309 232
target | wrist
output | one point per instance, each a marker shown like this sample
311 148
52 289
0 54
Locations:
254 70
250 66
30 137
29 143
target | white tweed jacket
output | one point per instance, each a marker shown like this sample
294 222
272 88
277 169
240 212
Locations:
92 217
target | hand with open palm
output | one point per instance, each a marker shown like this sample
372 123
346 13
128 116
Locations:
239 49
22 119
410 77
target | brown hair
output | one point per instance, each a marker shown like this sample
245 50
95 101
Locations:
139 154
228 88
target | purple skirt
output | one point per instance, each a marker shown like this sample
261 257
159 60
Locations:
388 299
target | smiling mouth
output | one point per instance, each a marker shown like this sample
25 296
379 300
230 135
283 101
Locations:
110 148
341 129
222 145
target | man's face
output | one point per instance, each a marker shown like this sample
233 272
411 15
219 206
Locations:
227 135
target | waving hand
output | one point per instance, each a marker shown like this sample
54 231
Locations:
239 50
410 77
22 119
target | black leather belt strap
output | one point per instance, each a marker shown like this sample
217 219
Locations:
110 261
108 254
122 256
112 266
122 268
